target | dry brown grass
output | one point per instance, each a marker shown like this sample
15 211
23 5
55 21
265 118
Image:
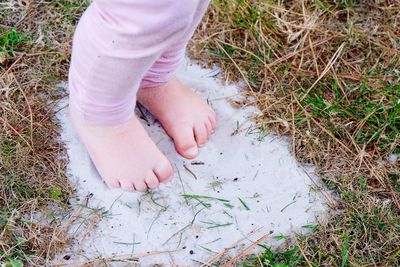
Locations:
34 43
325 73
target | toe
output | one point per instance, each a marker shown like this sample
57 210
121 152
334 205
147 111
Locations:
128 186
163 171
209 128
151 180
112 183
213 120
185 142
140 186
200 133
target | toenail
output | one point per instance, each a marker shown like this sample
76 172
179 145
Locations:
192 151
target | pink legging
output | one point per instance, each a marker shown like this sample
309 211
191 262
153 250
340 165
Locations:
123 45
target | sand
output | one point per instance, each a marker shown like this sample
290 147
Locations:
244 181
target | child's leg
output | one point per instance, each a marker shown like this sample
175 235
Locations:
115 44
164 68
184 115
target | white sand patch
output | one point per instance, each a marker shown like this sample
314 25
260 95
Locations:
257 182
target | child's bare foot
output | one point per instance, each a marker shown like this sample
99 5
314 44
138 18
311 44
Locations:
124 155
185 116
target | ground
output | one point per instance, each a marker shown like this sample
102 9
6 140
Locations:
324 73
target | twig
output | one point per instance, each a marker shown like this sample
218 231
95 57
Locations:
214 259
244 251
190 171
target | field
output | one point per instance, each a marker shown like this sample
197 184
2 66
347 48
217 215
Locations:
324 73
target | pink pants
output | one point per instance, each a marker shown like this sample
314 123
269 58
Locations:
123 45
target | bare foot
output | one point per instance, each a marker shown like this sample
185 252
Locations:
124 155
184 115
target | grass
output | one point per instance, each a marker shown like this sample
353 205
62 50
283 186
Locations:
326 74
10 40
246 207
204 197
269 258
